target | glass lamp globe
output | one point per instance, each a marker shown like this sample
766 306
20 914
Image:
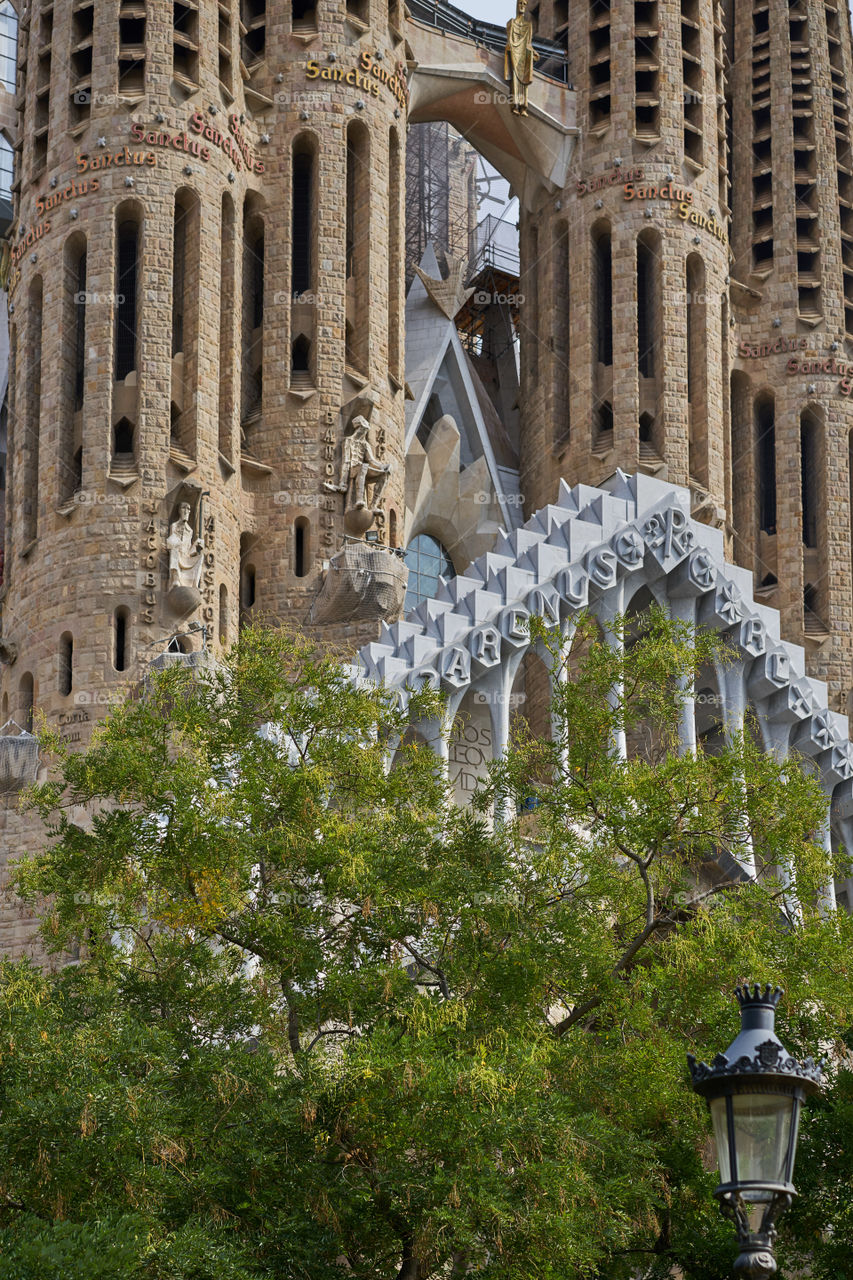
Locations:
755 1092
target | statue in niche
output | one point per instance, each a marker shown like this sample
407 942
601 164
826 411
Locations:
519 57
186 561
360 467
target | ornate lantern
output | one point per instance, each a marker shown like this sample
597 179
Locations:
755 1092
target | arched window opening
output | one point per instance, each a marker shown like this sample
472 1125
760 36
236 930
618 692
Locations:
392 529
301 355
127 275
121 621
26 702
301 547
223 614
123 439
427 562
302 221
603 297
604 419
66 663
647 423
765 445
809 475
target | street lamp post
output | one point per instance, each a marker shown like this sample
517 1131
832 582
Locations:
755 1091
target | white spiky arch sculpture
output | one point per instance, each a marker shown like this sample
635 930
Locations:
594 549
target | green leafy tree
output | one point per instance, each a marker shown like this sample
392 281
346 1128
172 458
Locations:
327 1024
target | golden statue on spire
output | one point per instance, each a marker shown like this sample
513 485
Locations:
519 57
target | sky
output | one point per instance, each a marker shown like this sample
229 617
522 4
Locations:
499 11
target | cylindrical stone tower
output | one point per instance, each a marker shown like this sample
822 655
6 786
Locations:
624 273
792 301
206 292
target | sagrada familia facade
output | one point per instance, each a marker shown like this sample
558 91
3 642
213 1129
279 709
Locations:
224 403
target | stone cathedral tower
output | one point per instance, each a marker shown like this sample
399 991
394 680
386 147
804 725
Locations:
706 333
206 290
209 417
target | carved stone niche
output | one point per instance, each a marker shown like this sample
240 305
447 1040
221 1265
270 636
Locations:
19 762
185 553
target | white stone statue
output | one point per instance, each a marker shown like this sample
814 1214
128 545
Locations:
360 467
186 551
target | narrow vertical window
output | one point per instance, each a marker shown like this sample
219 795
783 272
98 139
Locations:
179 282
303 221
121 620
253 315
603 297
227 372
226 71
43 86
31 493
26 702
127 272
765 442
393 536
185 293
358 245
66 664
809 477
223 614
131 49
697 356
254 21
395 272
530 305
80 68
73 360
646 310
80 332
562 334
247 575
301 534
